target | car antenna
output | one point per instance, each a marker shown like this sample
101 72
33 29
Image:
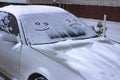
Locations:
104 25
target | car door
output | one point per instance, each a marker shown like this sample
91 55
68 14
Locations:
9 45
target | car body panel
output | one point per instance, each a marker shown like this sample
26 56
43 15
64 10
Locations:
44 65
85 57
10 58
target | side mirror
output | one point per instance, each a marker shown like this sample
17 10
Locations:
9 38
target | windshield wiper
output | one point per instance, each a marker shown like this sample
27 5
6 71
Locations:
81 38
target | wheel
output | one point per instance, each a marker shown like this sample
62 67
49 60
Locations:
37 77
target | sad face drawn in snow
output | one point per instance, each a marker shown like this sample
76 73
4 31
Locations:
75 26
72 22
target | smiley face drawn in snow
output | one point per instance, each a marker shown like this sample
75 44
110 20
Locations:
41 26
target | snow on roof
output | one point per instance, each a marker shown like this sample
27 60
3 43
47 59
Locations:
18 10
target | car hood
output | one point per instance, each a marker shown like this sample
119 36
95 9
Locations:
94 59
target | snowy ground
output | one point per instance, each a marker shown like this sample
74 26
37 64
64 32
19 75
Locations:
1 78
113 28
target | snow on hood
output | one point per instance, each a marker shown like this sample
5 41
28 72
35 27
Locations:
93 59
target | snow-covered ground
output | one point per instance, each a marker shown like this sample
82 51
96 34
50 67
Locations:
113 28
1 78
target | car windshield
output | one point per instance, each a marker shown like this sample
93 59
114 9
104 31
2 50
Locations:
53 27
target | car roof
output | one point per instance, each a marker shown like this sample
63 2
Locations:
18 10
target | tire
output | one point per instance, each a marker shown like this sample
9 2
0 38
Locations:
37 77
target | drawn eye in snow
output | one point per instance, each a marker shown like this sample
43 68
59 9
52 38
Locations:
37 23
74 20
42 27
68 20
46 23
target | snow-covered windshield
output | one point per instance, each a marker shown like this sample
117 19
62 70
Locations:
53 27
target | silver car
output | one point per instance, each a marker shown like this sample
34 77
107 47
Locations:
50 43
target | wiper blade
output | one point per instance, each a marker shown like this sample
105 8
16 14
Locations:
81 38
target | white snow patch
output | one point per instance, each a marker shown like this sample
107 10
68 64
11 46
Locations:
44 71
1 78
94 63
98 59
31 9
113 28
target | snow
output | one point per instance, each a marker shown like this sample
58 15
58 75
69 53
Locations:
2 78
30 9
85 57
43 70
66 27
113 28
94 59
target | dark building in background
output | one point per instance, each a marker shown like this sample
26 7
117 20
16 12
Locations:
81 8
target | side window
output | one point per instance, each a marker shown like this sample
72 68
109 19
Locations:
8 23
